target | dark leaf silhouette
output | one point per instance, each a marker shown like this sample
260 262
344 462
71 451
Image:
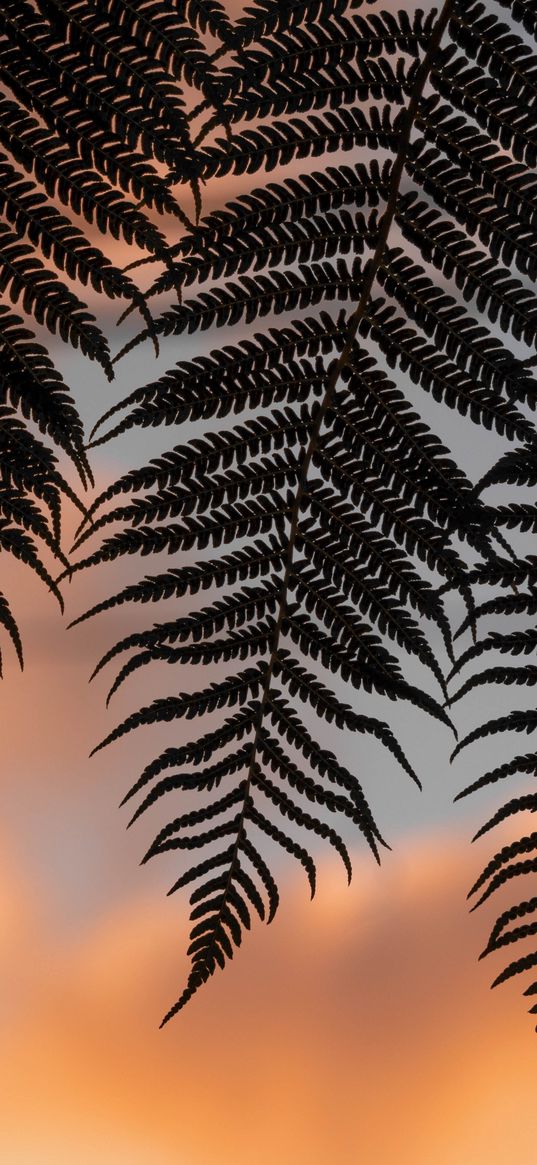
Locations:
322 517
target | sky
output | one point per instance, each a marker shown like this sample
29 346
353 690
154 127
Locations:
358 1027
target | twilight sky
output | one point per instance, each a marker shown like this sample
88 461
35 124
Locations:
359 1027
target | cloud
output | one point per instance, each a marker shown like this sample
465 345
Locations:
358 1028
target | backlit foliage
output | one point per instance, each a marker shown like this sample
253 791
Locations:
395 246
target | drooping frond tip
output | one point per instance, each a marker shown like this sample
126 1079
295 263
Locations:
320 521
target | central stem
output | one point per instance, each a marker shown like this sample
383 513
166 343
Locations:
371 270
408 119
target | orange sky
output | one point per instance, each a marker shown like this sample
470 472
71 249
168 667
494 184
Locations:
356 1028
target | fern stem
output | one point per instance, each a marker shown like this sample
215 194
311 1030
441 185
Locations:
355 318
370 273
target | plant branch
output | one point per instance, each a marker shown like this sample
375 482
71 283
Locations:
408 119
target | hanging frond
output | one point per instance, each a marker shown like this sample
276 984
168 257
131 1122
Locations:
348 503
93 114
500 85
315 513
32 487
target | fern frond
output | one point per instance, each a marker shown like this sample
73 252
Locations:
324 236
268 369
350 490
525 721
478 183
516 467
525 763
506 117
222 695
310 69
301 137
212 453
211 16
503 298
517 516
41 70
516 642
240 565
353 516
28 212
507 57
515 805
498 675
22 546
31 388
511 861
499 870
47 299
76 184
452 328
8 623
250 298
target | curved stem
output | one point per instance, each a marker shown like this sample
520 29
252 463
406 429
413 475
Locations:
408 119
353 324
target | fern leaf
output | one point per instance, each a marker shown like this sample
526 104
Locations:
8 623
354 519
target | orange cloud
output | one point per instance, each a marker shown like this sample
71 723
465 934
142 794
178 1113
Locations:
358 1028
